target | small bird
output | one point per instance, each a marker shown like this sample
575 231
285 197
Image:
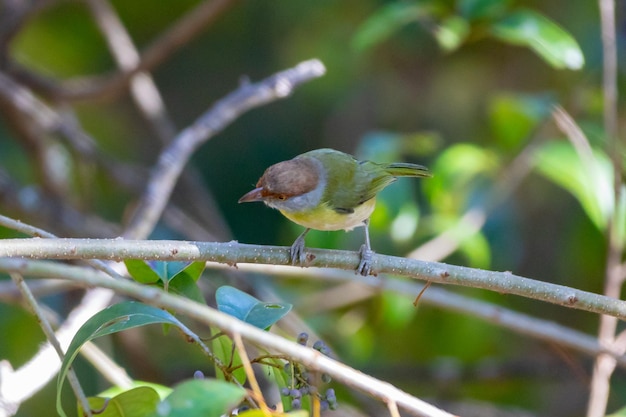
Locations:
325 189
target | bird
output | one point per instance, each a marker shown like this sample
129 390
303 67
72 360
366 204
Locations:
326 189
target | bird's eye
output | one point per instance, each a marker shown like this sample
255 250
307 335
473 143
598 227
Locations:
281 197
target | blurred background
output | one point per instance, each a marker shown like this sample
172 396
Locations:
440 83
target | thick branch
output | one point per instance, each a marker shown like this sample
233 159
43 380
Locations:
232 253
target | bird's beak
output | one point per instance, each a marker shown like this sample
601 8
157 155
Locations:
254 195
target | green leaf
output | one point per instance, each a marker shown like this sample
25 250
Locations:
200 398
169 269
161 390
247 308
475 247
385 21
546 38
452 32
223 349
177 277
184 284
193 270
118 317
513 117
471 242
141 272
136 402
185 281
591 182
276 368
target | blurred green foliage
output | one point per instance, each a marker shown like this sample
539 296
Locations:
464 87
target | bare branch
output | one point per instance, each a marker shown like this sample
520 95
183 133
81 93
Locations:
232 253
46 327
174 158
142 86
605 365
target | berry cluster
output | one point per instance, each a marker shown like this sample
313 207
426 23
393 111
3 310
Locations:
302 381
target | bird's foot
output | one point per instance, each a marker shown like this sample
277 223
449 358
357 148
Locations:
366 265
297 252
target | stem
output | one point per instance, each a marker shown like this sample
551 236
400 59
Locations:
52 339
605 365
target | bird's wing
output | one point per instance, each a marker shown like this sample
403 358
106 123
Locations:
358 182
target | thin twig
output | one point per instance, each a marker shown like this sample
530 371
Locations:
393 408
142 86
421 293
52 339
605 365
247 366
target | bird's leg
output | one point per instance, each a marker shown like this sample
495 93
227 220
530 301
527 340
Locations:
366 253
297 253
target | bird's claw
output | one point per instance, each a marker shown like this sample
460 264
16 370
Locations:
297 252
366 264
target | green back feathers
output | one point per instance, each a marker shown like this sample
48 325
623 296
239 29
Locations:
354 182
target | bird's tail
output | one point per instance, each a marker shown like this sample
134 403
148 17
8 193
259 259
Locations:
404 169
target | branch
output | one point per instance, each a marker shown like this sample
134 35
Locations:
605 365
142 86
544 330
174 158
46 327
311 358
233 252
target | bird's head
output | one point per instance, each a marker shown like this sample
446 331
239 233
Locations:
294 185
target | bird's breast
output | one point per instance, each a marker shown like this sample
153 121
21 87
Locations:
325 218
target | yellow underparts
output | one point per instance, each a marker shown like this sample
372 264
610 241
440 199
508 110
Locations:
325 218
